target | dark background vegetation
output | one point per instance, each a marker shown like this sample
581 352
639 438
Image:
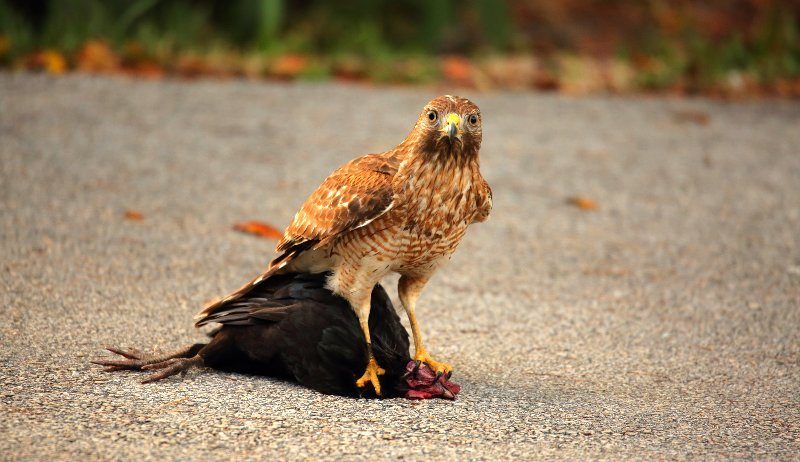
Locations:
723 47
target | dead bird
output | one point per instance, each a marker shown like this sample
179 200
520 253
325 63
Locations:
292 327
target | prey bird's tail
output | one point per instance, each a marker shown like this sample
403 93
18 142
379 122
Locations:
275 266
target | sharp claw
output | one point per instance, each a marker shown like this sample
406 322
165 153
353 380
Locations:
118 351
112 363
167 371
438 376
449 374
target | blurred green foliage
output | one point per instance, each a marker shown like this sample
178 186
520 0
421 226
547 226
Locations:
759 38
369 27
769 50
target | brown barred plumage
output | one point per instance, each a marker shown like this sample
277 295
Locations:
405 210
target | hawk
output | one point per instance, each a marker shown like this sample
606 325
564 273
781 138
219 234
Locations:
404 210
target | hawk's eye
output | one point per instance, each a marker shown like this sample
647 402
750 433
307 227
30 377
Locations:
432 115
473 119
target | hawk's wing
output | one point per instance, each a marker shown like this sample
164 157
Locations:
351 197
483 202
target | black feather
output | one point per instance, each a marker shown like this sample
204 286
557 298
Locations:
290 325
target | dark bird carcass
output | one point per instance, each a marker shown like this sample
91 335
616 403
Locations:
292 327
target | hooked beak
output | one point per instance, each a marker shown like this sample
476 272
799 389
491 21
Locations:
452 124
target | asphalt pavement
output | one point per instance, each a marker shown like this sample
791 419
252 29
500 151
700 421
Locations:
663 324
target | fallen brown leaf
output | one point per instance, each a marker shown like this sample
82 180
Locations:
97 57
583 203
5 45
544 80
350 68
458 70
191 66
47 60
691 116
134 215
145 70
289 66
258 228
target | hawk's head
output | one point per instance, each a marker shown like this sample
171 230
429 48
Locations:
450 124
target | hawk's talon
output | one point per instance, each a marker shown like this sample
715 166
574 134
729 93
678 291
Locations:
414 370
436 366
371 375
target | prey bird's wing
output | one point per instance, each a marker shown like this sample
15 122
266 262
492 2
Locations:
352 197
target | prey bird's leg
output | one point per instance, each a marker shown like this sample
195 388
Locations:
136 360
373 370
171 367
409 290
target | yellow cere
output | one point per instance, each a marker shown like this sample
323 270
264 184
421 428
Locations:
453 119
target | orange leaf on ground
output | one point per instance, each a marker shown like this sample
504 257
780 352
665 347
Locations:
97 56
5 45
258 228
691 116
583 203
289 66
47 60
191 66
458 70
134 215
145 70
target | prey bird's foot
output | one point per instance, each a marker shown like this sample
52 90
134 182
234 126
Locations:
371 376
171 367
440 368
134 360
130 353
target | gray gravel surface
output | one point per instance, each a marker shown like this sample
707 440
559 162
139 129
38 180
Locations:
664 324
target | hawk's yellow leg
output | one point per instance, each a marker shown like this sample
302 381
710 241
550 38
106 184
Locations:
409 289
373 370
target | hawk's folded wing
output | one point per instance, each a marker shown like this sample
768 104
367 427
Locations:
351 197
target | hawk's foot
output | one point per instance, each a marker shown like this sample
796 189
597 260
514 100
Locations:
440 368
371 376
